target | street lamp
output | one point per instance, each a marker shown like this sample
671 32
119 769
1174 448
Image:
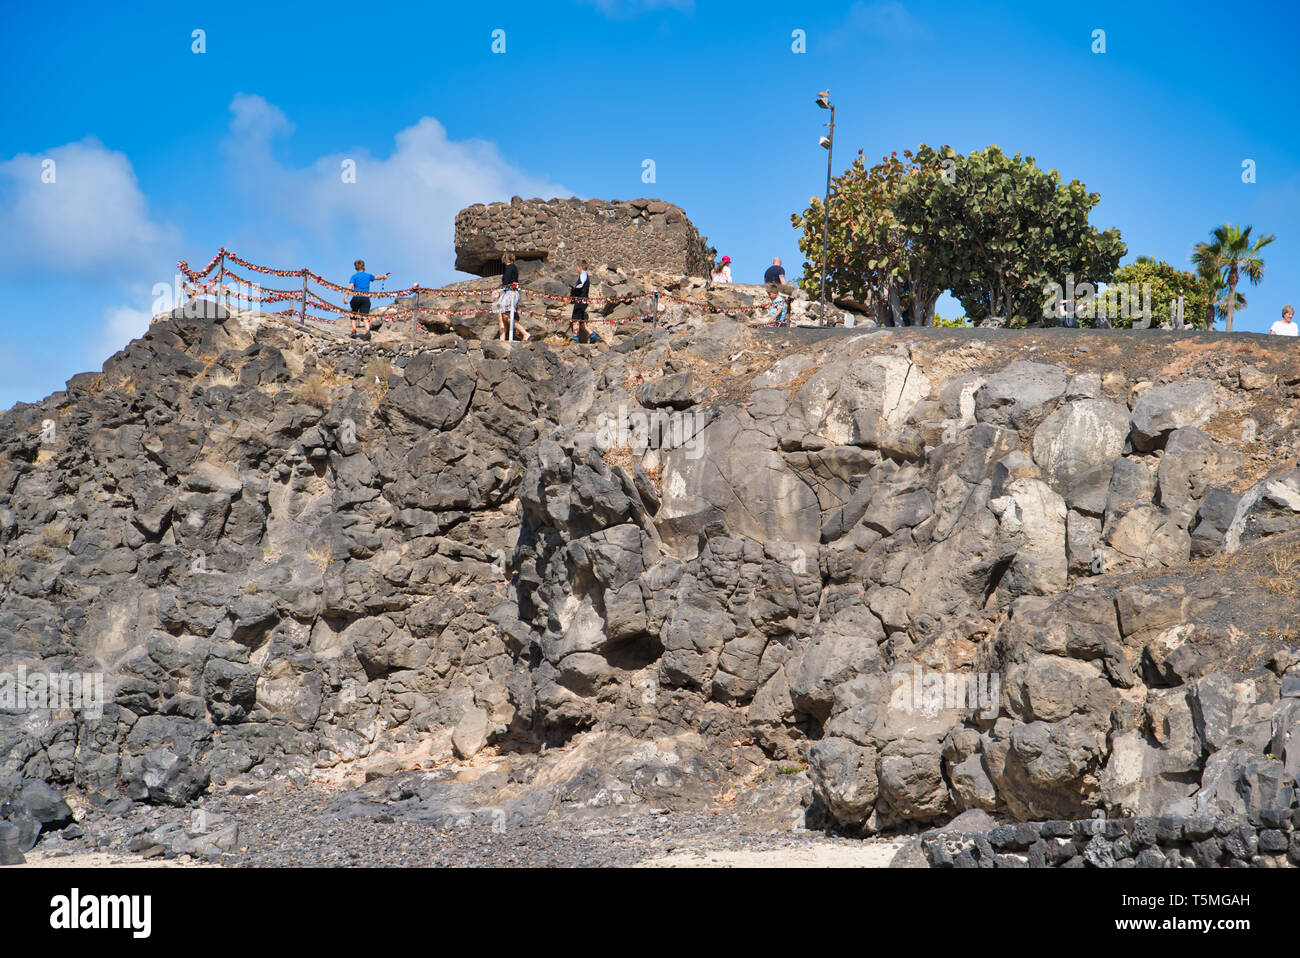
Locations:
827 142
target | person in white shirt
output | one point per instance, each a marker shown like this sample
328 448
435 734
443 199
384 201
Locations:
722 274
1286 326
579 291
1065 314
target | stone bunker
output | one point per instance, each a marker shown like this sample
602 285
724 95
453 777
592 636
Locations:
636 235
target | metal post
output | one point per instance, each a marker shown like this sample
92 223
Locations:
826 225
415 310
656 295
221 277
303 314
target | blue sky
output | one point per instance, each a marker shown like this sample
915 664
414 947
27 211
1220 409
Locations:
161 153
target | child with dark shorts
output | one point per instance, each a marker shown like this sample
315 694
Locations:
360 304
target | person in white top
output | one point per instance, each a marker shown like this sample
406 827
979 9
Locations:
722 274
1286 326
579 291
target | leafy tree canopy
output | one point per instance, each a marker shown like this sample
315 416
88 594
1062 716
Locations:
1003 230
1167 284
994 229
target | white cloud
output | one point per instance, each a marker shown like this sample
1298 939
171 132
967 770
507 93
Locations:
879 20
256 120
622 9
399 212
121 325
91 221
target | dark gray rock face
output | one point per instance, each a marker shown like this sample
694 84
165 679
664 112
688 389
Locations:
166 778
11 852
1167 841
910 569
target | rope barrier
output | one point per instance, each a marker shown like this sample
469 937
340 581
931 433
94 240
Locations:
203 272
261 289
309 297
194 276
259 269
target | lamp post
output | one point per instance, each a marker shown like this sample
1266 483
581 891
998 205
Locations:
827 141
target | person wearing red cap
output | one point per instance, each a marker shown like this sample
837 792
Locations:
722 272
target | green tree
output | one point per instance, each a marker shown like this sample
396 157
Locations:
871 259
1167 283
998 230
1230 255
1207 271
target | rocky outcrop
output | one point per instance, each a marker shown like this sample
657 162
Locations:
940 575
1268 839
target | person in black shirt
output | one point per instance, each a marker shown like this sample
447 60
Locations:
775 273
509 301
579 292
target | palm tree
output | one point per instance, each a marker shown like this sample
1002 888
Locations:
1209 272
1224 260
1221 301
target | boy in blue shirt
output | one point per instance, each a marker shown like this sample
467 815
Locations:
359 284
778 316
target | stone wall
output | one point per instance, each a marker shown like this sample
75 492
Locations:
641 234
1267 840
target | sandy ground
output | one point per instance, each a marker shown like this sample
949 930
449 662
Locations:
867 854
39 859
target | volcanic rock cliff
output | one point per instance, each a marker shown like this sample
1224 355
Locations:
683 557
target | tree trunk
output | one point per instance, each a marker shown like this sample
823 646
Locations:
925 309
1232 299
880 307
895 305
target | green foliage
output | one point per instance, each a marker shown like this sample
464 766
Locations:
1003 230
959 321
871 259
993 229
1167 283
859 195
1224 260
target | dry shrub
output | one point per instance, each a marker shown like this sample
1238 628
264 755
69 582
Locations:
378 367
321 556
56 534
1285 563
375 377
313 392
621 456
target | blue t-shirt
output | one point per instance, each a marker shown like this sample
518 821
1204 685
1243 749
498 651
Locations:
361 281
774 274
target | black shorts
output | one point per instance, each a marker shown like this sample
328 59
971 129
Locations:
361 304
